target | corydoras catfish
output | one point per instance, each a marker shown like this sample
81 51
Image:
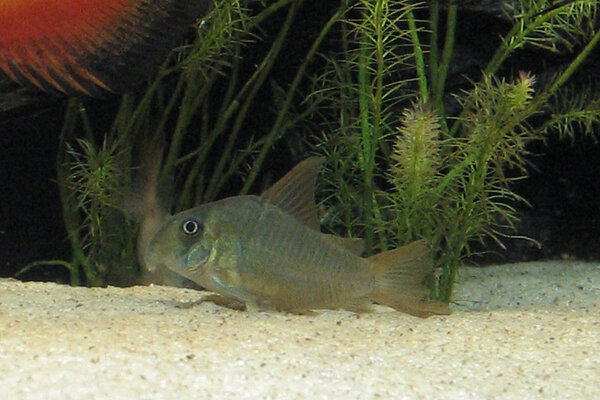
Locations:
268 252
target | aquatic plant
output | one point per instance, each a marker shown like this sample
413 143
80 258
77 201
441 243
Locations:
177 105
399 166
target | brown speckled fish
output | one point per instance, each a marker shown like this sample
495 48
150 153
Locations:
267 252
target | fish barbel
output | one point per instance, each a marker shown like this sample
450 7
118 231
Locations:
267 252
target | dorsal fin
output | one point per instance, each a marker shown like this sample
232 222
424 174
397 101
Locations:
295 192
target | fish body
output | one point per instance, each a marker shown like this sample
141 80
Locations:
267 252
257 253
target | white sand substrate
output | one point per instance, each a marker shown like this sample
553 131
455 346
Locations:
519 331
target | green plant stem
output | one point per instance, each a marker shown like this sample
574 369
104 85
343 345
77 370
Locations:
443 68
167 110
70 216
511 41
196 153
267 12
517 36
434 49
278 127
246 103
205 145
218 176
68 265
200 153
419 57
268 62
574 65
190 101
367 162
142 110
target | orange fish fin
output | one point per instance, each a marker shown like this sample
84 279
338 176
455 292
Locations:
354 245
67 46
399 276
295 192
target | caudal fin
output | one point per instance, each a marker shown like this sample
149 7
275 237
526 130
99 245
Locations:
399 276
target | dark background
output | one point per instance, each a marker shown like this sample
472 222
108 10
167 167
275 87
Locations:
563 187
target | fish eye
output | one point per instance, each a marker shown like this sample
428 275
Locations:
191 227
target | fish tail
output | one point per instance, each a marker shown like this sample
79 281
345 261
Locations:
399 276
